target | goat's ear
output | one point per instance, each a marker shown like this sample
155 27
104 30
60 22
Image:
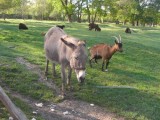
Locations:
69 44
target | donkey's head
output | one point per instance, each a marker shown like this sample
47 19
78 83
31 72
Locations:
118 43
78 57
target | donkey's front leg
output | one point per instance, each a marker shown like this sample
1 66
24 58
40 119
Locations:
54 69
69 77
63 77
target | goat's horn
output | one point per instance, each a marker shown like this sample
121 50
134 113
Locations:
120 38
116 38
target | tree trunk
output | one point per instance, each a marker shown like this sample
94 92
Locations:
13 110
69 18
64 4
79 16
137 23
79 11
95 15
4 16
133 24
89 14
79 19
89 17
124 22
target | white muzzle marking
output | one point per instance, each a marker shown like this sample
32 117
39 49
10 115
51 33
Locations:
81 74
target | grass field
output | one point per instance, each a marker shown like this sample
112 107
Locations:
131 87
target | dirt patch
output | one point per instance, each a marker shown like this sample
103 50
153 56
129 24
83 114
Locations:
69 109
35 69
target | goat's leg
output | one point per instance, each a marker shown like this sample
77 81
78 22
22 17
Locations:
107 63
103 65
90 62
46 69
54 69
95 60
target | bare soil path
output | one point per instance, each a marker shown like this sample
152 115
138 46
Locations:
69 109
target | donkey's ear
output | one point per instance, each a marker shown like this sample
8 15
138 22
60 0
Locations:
82 42
69 44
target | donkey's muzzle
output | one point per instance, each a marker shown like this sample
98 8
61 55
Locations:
80 75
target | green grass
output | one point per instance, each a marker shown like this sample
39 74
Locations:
137 67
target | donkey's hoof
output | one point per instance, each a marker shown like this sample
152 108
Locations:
106 70
45 73
45 78
70 88
61 97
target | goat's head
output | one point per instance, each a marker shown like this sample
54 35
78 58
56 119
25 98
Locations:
118 44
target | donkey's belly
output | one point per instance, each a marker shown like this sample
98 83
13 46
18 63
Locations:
52 56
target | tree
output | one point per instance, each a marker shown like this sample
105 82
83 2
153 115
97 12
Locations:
24 7
40 9
87 11
94 9
151 9
130 10
79 8
69 8
6 5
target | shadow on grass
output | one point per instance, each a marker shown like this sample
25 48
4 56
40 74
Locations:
128 102
138 76
136 97
9 51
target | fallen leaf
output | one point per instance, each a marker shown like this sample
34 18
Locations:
39 104
66 113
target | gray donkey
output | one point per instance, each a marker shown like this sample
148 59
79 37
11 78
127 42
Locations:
67 51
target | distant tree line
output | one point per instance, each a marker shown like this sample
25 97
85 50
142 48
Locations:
136 12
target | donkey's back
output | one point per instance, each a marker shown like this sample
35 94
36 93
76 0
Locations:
53 44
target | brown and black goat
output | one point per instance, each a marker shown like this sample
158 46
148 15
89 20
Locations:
23 26
128 30
94 26
105 52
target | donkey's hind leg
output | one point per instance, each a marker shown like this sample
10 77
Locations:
46 69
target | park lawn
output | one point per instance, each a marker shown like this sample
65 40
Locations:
131 87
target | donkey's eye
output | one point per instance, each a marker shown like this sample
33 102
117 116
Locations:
76 58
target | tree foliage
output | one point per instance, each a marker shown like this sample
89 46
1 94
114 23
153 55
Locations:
133 11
